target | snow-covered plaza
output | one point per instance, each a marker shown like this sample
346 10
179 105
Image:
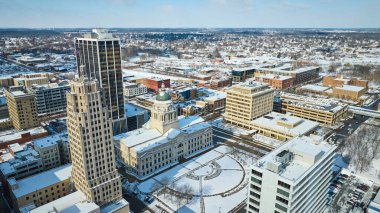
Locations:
213 182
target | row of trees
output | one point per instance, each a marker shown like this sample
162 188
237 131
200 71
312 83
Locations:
177 194
362 147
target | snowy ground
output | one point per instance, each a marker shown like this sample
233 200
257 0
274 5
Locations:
373 172
216 177
145 73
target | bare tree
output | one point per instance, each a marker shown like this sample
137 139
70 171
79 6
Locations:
165 182
363 147
179 197
188 191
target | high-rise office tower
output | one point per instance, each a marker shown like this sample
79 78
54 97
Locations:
91 142
292 178
98 57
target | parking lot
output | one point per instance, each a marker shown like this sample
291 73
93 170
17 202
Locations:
348 192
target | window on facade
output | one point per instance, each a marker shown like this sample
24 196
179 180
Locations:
285 185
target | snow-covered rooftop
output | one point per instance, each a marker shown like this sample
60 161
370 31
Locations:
314 87
308 152
322 104
50 140
42 180
147 138
68 204
294 125
13 135
133 110
350 88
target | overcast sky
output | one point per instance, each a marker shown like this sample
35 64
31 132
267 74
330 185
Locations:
190 13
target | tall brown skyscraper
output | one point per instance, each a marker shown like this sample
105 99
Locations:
91 142
98 53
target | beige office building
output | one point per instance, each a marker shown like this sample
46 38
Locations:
246 102
91 143
41 188
22 108
324 111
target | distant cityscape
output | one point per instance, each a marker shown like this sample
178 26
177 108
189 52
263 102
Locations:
190 120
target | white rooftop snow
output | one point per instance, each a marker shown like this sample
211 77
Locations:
42 180
301 126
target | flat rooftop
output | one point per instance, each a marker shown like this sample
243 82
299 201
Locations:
299 126
18 93
11 135
74 201
133 110
314 87
50 140
351 88
305 148
321 104
42 180
273 76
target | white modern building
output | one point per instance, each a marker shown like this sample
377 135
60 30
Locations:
164 141
292 178
283 126
132 89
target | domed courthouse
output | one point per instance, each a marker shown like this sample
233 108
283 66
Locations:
164 141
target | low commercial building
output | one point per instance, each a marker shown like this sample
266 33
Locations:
345 92
301 75
164 141
292 178
20 163
22 108
146 100
41 188
48 150
340 80
246 102
349 92
51 98
216 103
315 89
324 111
275 81
10 136
132 90
77 202
283 127
184 93
220 83
154 84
